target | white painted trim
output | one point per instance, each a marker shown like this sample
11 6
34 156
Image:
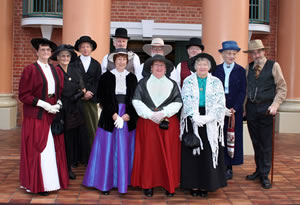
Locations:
38 21
259 28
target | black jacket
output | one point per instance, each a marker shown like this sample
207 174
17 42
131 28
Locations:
91 77
107 97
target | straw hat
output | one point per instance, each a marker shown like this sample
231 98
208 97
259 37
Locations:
120 51
157 42
255 45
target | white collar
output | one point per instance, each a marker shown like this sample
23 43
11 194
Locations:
117 73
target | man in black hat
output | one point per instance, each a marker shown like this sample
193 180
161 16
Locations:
42 162
120 40
193 48
90 71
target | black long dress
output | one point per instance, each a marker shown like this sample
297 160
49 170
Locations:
197 170
77 148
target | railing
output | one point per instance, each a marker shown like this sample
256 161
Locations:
42 8
259 11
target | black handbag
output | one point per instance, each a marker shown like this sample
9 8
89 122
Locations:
164 124
57 126
189 138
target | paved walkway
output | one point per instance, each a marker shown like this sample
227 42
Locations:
286 187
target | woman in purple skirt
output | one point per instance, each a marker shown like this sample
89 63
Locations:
112 153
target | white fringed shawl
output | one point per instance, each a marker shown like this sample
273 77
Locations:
214 107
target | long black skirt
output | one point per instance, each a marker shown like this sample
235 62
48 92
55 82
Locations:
77 145
197 170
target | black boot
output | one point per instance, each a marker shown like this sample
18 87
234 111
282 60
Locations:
148 192
45 193
253 176
71 174
229 173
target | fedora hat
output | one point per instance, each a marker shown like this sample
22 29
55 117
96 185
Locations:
120 51
121 33
191 62
255 45
195 42
157 42
149 62
229 45
84 39
35 42
64 47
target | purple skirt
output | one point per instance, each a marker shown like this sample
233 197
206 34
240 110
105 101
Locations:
111 158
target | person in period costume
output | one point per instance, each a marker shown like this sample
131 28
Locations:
233 77
43 165
158 47
157 100
120 40
203 168
193 48
265 92
77 147
111 158
90 72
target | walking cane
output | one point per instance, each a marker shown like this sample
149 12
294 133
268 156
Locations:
273 139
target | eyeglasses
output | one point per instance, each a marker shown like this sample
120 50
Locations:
157 48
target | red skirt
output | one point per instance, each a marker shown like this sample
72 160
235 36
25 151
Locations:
33 142
157 155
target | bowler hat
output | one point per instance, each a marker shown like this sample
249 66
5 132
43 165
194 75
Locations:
149 62
84 39
64 47
255 45
229 45
157 42
191 62
121 33
195 42
35 42
120 51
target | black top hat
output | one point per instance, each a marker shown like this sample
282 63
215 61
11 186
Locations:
83 39
195 42
64 47
148 63
35 42
191 62
121 33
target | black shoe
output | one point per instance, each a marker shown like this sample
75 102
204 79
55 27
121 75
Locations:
229 174
71 175
203 193
265 182
253 176
148 192
195 192
43 193
105 192
169 194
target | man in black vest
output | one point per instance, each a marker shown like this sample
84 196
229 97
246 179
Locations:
266 91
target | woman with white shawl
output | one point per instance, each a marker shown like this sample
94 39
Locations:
203 168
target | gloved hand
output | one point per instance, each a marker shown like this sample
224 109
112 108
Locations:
54 109
119 123
206 118
59 102
228 112
196 151
46 106
198 120
157 117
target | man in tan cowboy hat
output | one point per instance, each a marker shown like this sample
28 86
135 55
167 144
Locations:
266 91
120 40
158 47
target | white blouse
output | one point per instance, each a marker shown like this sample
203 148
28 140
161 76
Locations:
120 81
49 76
86 61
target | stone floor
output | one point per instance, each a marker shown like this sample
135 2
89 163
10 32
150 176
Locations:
286 186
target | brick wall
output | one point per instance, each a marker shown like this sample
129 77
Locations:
161 11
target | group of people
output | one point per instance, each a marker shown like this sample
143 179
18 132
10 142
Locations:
150 113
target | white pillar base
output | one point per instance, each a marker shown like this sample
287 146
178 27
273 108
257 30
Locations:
8 111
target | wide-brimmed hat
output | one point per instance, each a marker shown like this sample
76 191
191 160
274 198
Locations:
157 42
255 45
35 42
191 62
195 42
121 33
83 39
120 51
64 47
148 63
229 45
